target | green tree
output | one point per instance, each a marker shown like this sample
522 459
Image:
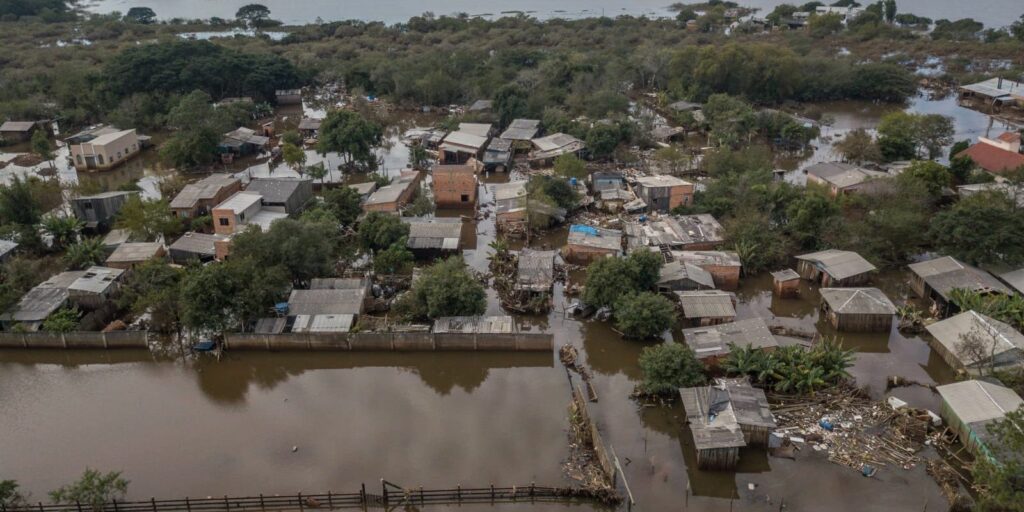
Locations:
610 278
446 288
293 155
18 202
317 172
557 190
230 294
890 10
253 15
419 158
935 176
141 15
147 219
154 288
1017 28
643 315
305 249
751 235
10 497
824 25
62 320
1000 469
510 102
570 166
41 146
379 231
809 217
63 229
669 366
94 489
86 253
292 137
933 132
396 259
344 203
858 146
197 132
602 140
984 228
896 136
351 135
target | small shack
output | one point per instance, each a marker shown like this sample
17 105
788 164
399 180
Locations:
536 271
833 267
786 284
702 308
433 236
547 149
288 96
970 407
857 309
20 131
393 197
130 254
842 178
96 287
98 211
201 247
936 279
679 232
7 248
724 266
498 155
663 193
711 343
198 198
724 417
521 132
972 341
588 243
455 185
678 276
460 146
241 141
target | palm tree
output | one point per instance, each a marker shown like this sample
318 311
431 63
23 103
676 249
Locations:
86 253
64 230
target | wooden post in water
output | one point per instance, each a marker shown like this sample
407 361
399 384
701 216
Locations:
152 501
262 506
78 504
458 494
330 503
188 506
384 491
300 502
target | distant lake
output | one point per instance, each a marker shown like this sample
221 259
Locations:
296 12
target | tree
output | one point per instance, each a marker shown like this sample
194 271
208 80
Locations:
62 320
445 288
147 219
141 15
41 146
889 7
154 288
984 228
668 367
306 249
510 103
419 158
292 137
252 15
824 25
197 132
859 147
933 175
750 234
18 202
351 135
643 315
86 253
396 259
93 489
294 156
10 497
977 348
1017 28
999 472
317 172
557 190
344 203
610 278
809 217
570 166
933 132
230 294
63 229
896 136
379 231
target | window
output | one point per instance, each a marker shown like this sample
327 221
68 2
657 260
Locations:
99 158
87 205
223 221
79 157
465 198
118 156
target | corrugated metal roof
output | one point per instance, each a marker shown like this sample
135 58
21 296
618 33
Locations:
839 264
277 190
97 280
17 126
976 401
135 251
434 233
677 270
1015 279
339 283
475 324
599 238
785 275
521 129
714 340
197 243
707 304
465 140
326 302
715 258
711 417
999 337
946 274
36 305
323 323
206 188
536 270
858 301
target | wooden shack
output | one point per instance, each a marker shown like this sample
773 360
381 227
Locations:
1003 345
970 407
724 417
712 343
786 284
707 307
936 279
833 267
587 244
857 309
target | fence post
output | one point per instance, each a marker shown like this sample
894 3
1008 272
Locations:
40 506
330 504
459 493
227 505
79 505
492 494
423 500
188 506
115 504
384 491
104 336
262 506
300 501
362 493
152 501
63 340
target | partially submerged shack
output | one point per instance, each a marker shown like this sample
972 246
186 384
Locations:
535 271
936 279
786 283
712 343
588 243
724 417
972 341
970 408
678 276
833 267
433 236
724 266
547 149
702 308
857 309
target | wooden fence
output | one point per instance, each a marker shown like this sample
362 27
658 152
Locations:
392 341
390 495
75 339
595 436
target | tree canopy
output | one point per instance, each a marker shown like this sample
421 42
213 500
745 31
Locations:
446 288
350 134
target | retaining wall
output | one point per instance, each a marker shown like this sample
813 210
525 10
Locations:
392 341
74 340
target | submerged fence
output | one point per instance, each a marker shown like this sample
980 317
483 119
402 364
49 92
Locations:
392 341
390 495
74 339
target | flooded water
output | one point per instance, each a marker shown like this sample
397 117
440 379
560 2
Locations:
995 13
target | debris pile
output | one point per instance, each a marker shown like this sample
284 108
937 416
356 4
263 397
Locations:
585 464
852 429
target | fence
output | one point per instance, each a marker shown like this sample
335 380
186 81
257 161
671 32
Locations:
390 495
392 341
595 437
74 339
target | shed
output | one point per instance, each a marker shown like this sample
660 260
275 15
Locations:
498 155
702 308
547 149
970 407
724 266
833 267
786 283
602 180
391 198
324 323
7 248
681 232
1003 346
724 417
857 309
936 279
459 146
191 246
521 131
433 236
18 130
130 254
536 271
682 276
340 283
364 189
283 195
34 307
589 243
288 96
242 141
327 302
663 193
95 287
712 343
98 211
309 127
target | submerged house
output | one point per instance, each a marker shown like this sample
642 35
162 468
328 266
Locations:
676 232
588 243
970 408
996 91
936 279
196 199
20 131
833 267
841 178
857 309
96 287
682 276
535 271
724 266
460 146
393 197
712 343
702 308
662 193
498 155
998 344
103 147
512 206
242 142
433 236
242 210
39 303
333 306
454 186
520 133
724 417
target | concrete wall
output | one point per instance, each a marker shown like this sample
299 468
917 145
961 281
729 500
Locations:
392 341
74 340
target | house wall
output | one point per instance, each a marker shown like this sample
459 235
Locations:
718 458
963 431
787 289
918 285
858 323
755 435
584 255
105 156
455 188
222 248
507 219
232 222
99 210
727 277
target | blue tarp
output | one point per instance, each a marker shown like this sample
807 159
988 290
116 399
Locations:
579 228
204 346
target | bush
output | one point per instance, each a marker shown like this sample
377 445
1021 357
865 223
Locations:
668 367
379 231
610 278
643 315
446 288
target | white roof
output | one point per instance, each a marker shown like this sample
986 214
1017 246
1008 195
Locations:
976 401
240 202
109 137
662 180
478 129
323 323
950 333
